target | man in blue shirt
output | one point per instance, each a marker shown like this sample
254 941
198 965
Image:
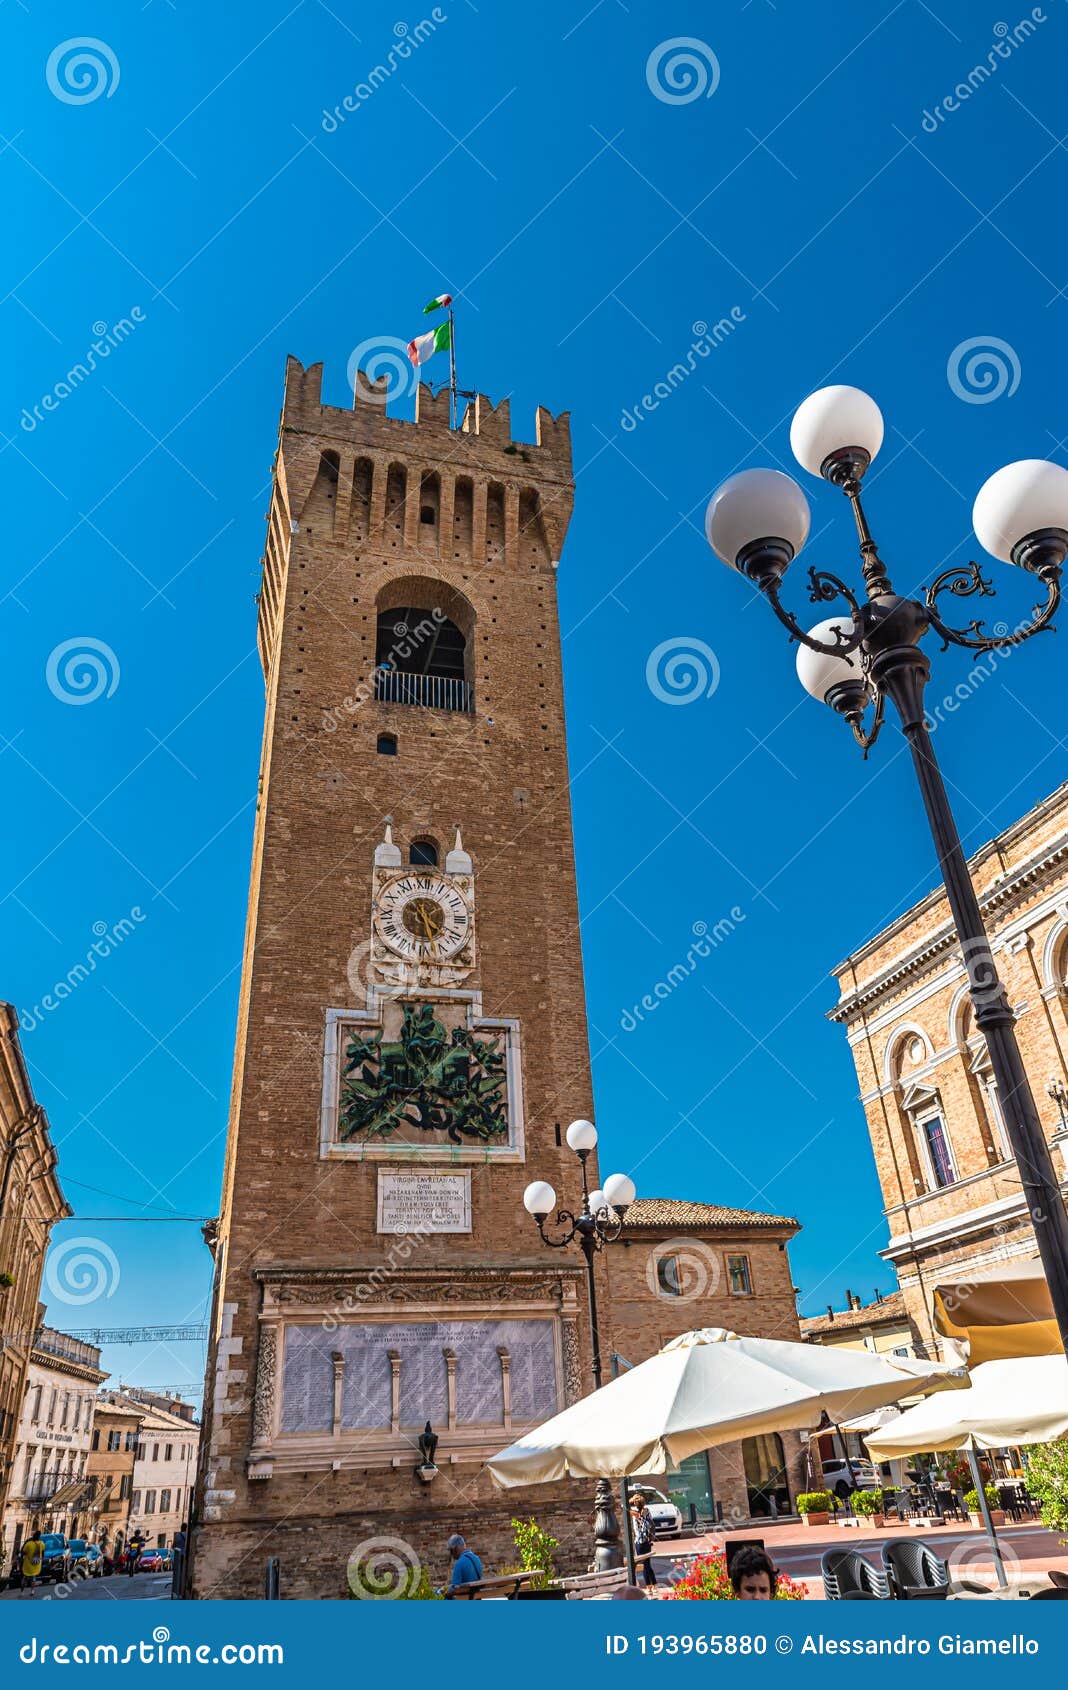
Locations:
466 1566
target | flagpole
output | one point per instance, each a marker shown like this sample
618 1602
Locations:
452 371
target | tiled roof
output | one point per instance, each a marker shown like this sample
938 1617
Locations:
677 1211
890 1311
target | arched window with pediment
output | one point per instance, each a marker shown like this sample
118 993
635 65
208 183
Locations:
922 1107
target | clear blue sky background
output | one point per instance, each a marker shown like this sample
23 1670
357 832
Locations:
519 158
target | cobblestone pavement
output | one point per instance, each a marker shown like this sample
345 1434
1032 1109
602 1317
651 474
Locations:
142 1587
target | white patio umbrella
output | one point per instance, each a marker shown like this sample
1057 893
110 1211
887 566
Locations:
706 1388
1021 1401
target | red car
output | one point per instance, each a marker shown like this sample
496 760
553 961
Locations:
154 1561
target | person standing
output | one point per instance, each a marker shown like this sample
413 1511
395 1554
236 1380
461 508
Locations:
32 1558
643 1530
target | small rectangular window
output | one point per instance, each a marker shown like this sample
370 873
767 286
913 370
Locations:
738 1275
164 1501
667 1276
168 1450
150 1502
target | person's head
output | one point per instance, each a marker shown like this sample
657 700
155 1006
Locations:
455 1546
753 1576
628 1593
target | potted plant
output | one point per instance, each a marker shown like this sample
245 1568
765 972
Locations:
868 1506
993 1502
814 1506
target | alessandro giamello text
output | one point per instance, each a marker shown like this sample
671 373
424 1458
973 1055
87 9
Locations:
948 1643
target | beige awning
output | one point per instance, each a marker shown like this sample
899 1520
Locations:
1000 1315
707 1388
1022 1401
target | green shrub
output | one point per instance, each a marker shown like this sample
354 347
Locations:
1047 1479
867 1501
815 1502
536 1549
971 1499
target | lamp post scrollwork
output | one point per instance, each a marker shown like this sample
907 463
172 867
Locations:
869 653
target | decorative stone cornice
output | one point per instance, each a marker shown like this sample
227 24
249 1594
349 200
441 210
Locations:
920 958
369 1286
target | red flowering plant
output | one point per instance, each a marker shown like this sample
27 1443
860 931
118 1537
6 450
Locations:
706 1580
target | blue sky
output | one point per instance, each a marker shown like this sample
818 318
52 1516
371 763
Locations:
817 195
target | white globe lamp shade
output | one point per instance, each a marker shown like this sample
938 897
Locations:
1025 498
835 420
539 1199
619 1190
756 504
581 1135
598 1202
821 672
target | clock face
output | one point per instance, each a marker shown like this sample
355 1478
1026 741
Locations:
423 917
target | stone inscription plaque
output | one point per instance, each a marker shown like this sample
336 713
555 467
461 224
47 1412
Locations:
424 1202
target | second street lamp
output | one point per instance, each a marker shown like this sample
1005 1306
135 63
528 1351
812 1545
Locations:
870 651
600 1221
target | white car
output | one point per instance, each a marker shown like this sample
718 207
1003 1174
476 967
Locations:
836 1476
666 1517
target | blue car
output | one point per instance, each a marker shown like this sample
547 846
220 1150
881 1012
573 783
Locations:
55 1564
86 1559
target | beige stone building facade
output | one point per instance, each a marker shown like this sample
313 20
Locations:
950 1186
50 1483
411 1027
112 1454
31 1202
165 1469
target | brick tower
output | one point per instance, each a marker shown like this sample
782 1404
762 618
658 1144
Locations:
411 1032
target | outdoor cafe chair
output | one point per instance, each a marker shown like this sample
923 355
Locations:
1012 1502
847 1576
1059 1579
916 1572
1056 1592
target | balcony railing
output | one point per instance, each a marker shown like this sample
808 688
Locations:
433 692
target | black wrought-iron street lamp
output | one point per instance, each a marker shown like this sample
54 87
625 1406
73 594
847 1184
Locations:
600 1222
757 522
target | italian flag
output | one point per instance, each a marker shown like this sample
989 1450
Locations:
424 346
440 303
